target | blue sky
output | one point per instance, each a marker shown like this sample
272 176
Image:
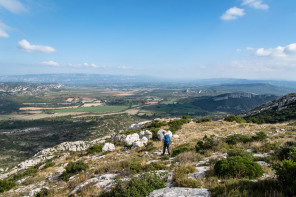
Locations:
252 39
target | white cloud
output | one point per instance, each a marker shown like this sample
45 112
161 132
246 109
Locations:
250 49
288 51
51 63
233 13
13 6
26 46
257 4
3 28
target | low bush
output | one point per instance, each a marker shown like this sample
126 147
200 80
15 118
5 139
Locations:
239 167
180 177
286 172
49 164
237 138
203 120
155 124
73 168
181 149
239 152
206 143
136 186
255 120
232 118
95 149
259 136
188 157
287 148
6 185
177 124
43 193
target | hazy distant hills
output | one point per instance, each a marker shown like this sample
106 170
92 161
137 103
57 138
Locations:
205 105
230 103
278 110
255 88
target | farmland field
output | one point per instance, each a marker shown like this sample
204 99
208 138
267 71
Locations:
97 109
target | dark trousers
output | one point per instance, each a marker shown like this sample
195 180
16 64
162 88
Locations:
166 145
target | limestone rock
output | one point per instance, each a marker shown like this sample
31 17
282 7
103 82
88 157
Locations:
137 144
180 191
160 135
118 138
176 136
146 134
130 139
144 140
108 147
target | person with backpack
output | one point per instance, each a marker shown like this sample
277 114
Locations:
166 141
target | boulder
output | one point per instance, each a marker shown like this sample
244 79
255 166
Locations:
118 138
137 144
160 135
108 147
144 140
146 134
130 139
176 136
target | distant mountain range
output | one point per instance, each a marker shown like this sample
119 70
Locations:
229 103
278 110
95 79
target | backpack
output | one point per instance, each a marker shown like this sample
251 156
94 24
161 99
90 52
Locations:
167 139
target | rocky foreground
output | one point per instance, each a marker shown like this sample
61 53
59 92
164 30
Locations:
141 151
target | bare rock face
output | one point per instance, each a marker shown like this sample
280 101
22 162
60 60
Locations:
146 134
160 135
180 191
139 125
118 138
108 147
130 139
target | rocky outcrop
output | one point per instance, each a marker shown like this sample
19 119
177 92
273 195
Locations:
160 133
180 191
118 138
279 104
108 147
140 143
130 139
146 134
139 125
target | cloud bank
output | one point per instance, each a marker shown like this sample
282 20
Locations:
26 46
51 63
256 4
233 13
13 6
288 51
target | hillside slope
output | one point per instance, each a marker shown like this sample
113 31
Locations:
78 169
278 110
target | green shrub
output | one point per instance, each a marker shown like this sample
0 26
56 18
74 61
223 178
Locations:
95 149
286 172
260 136
255 120
206 143
21 174
128 132
49 164
177 124
239 152
73 168
43 193
203 120
155 124
137 186
238 167
181 149
287 148
232 118
6 185
180 177
237 138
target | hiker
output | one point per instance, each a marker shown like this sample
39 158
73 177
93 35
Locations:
166 140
